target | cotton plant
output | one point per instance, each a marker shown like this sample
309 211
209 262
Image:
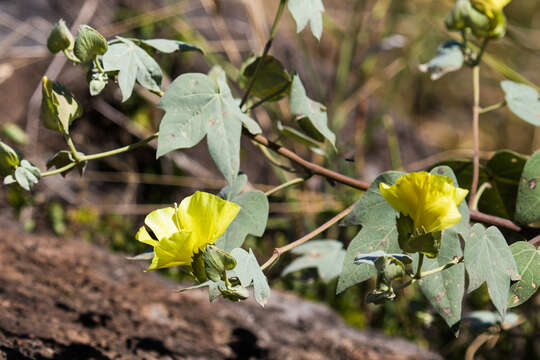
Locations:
427 229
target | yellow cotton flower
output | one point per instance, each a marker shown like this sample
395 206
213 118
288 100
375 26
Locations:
430 200
182 232
489 7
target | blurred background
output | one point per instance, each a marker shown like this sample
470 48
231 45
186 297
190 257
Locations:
385 112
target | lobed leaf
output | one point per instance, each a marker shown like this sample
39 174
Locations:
307 11
249 272
527 259
528 198
523 101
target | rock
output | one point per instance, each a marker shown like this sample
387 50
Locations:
65 299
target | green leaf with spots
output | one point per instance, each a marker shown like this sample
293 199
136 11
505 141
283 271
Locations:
489 259
251 219
302 105
307 11
133 65
527 259
503 172
89 44
379 232
325 255
272 82
523 101
445 289
528 199
195 106
249 273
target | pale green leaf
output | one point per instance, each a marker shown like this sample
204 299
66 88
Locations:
249 273
302 105
528 199
133 64
196 106
523 101
527 259
169 46
26 175
304 11
489 259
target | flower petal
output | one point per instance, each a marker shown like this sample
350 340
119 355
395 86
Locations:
207 216
175 250
144 237
161 222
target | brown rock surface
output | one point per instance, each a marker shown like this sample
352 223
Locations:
65 299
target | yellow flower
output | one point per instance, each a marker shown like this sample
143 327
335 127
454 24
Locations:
182 232
489 7
430 200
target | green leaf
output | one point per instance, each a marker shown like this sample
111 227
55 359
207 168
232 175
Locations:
325 255
527 259
304 11
489 259
445 289
133 64
523 101
449 58
251 219
60 38
379 232
59 108
217 262
9 160
63 158
26 175
169 46
503 172
528 199
300 138
196 106
302 105
89 44
428 244
482 320
272 78
249 272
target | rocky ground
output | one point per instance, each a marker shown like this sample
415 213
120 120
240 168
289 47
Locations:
65 299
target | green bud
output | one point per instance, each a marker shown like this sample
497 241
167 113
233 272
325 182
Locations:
60 38
217 262
89 44
237 293
8 160
482 22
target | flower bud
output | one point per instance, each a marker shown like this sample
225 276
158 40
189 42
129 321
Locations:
60 38
483 17
8 159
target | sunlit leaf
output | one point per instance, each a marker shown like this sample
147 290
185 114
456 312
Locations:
195 106
449 58
307 11
249 272
523 101
169 46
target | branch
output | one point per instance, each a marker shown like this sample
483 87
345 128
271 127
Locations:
281 250
476 134
361 185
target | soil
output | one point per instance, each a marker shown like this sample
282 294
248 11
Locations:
66 299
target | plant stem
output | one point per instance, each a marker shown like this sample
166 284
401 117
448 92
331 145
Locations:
100 155
72 148
476 131
281 250
71 57
284 186
483 187
418 274
492 107
267 47
98 65
429 272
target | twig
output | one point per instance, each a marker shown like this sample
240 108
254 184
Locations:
535 241
281 250
493 107
284 186
478 195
